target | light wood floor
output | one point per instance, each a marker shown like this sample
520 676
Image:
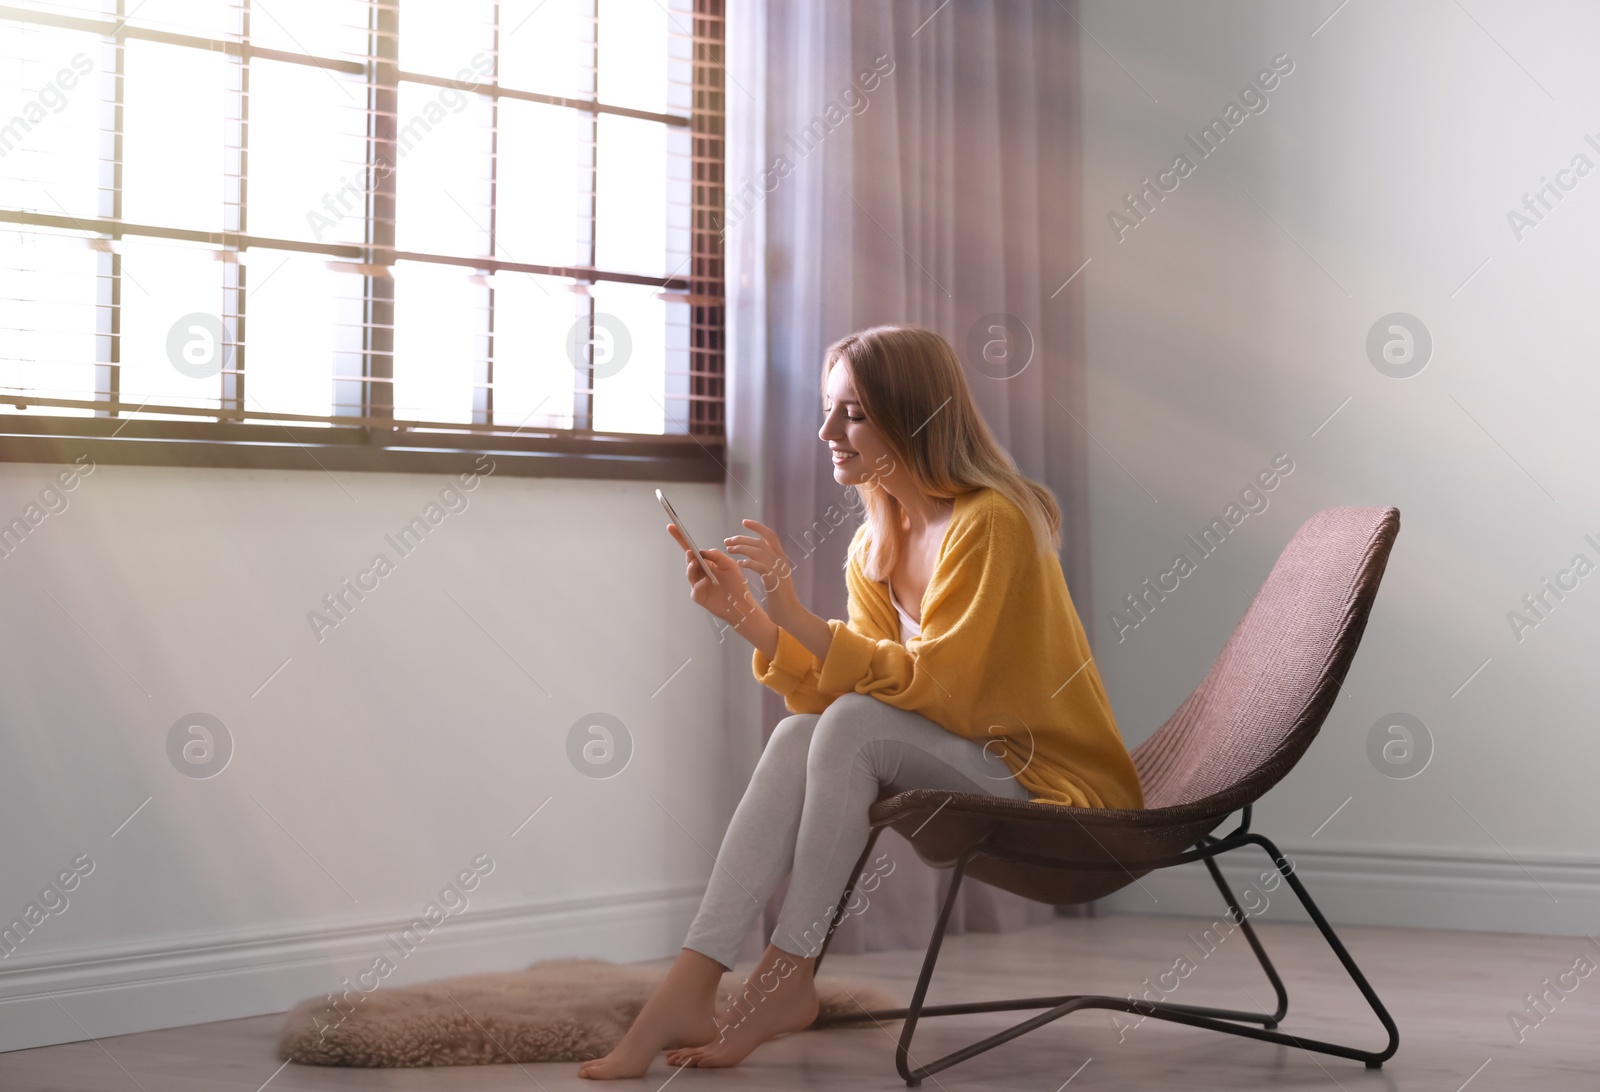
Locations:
1450 993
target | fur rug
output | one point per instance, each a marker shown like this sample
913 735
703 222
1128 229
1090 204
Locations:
559 1010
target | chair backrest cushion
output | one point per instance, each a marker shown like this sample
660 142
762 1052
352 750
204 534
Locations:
1264 699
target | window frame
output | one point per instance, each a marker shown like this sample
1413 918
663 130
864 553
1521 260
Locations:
362 433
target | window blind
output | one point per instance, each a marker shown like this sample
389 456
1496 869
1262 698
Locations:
383 223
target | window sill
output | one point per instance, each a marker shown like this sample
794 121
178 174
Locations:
132 442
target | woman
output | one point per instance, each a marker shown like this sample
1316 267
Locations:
964 667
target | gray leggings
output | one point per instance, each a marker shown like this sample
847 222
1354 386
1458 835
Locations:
806 810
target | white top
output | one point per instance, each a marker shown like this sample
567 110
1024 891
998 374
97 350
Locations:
909 628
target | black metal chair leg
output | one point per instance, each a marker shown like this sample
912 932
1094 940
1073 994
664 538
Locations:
1213 1019
849 889
1243 921
1374 1060
902 1051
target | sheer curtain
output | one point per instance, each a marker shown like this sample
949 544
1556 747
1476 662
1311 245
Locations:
898 161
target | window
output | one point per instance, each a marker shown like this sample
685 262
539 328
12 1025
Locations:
369 234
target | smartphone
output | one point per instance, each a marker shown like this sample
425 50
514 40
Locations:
665 503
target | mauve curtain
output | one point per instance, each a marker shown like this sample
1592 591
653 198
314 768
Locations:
929 174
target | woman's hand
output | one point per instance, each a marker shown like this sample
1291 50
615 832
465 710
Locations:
729 598
763 555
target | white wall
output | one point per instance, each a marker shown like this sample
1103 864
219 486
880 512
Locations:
415 736
1231 324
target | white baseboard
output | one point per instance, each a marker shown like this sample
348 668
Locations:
57 997
1409 888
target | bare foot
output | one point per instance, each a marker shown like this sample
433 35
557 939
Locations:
678 1014
778 997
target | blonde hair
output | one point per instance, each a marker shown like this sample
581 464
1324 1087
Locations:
911 388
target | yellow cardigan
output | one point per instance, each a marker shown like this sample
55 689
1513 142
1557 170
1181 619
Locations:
1002 657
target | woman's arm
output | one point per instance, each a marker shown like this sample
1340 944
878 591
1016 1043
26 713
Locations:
811 630
761 631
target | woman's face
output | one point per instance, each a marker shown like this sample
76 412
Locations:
858 451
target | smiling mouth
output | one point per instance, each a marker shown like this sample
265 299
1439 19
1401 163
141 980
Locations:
843 456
